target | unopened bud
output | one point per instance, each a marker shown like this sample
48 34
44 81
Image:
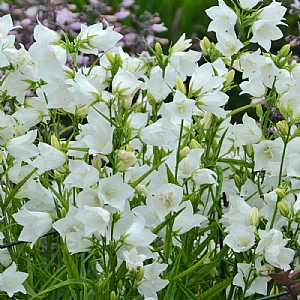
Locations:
54 142
184 152
158 49
1 156
290 109
282 127
63 212
283 208
229 78
282 109
205 45
254 218
259 111
285 50
180 85
113 295
82 110
249 150
141 273
265 270
110 58
206 121
280 192
194 144
237 180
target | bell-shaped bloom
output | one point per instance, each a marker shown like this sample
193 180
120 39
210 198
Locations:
228 43
11 281
240 238
22 147
246 133
124 86
133 259
95 220
82 175
114 192
187 220
223 18
167 199
35 224
94 38
44 161
152 282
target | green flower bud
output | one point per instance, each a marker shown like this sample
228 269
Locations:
194 144
54 142
180 85
184 152
237 180
254 218
281 192
229 78
283 127
284 51
283 208
259 111
113 295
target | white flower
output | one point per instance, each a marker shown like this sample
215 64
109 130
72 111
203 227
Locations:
152 283
240 238
94 38
246 133
114 192
22 147
82 175
35 224
133 259
223 18
228 43
11 281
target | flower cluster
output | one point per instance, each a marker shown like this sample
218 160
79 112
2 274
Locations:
154 192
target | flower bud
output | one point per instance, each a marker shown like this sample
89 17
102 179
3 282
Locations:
1 156
237 180
113 295
296 119
280 192
229 78
249 150
282 109
290 110
283 127
259 111
194 144
180 85
141 273
254 218
54 142
284 51
265 270
274 290
158 49
63 212
206 121
205 45
184 152
283 209
82 110
125 159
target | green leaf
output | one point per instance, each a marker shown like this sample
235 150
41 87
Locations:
70 264
237 162
215 290
187 292
170 294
